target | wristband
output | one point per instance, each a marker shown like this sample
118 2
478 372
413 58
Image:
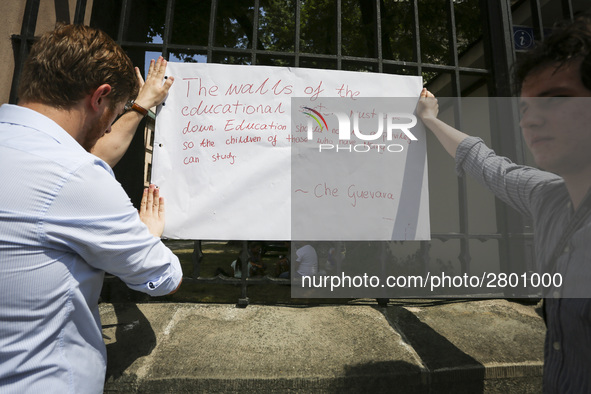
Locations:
133 106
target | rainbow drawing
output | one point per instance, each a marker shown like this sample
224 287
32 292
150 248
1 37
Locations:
315 118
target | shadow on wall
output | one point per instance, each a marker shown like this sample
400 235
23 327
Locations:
135 338
446 369
384 377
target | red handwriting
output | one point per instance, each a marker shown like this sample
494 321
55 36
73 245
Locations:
354 194
321 190
244 125
190 160
318 107
261 89
344 91
364 115
296 140
206 143
235 108
201 90
227 157
196 128
242 140
314 92
300 128
400 135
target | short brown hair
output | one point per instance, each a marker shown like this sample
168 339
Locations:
71 61
568 41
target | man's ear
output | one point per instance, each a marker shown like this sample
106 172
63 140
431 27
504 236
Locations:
98 97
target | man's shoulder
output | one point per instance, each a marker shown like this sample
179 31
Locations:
31 140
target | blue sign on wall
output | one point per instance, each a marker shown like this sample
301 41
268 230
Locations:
523 38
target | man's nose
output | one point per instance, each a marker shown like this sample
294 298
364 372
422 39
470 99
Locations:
531 118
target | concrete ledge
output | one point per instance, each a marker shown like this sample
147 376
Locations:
413 346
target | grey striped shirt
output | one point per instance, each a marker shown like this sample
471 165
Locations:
543 197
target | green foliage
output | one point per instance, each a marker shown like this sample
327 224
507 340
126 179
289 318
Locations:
234 24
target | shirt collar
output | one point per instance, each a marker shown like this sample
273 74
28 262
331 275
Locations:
15 114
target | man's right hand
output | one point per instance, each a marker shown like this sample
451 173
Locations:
427 111
154 90
152 210
427 106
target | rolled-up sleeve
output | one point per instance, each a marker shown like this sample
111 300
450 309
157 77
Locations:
517 185
96 221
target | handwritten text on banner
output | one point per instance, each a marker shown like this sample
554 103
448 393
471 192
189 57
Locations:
233 158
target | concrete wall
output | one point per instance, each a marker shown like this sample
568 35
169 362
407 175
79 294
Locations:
12 12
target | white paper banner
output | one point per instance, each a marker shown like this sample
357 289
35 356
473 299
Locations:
222 156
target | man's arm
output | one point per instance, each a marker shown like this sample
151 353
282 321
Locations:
152 214
112 146
427 110
516 185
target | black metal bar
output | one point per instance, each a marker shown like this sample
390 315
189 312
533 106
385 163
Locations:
567 9
297 33
243 301
464 256
22 44
481 237
255 32
168 21
339 41
536 17
453 47
362 60
499 53
123 20
378 35
62 11
417 37
197 257
211 33
29 21
425 258
506 137
80 12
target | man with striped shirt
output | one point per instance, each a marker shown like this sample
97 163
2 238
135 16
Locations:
64 219
555 105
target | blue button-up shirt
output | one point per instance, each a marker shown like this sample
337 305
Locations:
64 221
543 197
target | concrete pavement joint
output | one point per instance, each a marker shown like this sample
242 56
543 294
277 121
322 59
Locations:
144 369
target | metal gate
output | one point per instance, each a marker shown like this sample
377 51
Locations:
460 47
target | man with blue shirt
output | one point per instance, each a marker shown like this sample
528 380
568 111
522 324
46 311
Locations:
64 219
555 103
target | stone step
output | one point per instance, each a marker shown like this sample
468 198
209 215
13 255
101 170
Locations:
408 346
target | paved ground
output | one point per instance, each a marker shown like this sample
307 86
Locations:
442 346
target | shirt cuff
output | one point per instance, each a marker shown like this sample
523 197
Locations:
164 284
